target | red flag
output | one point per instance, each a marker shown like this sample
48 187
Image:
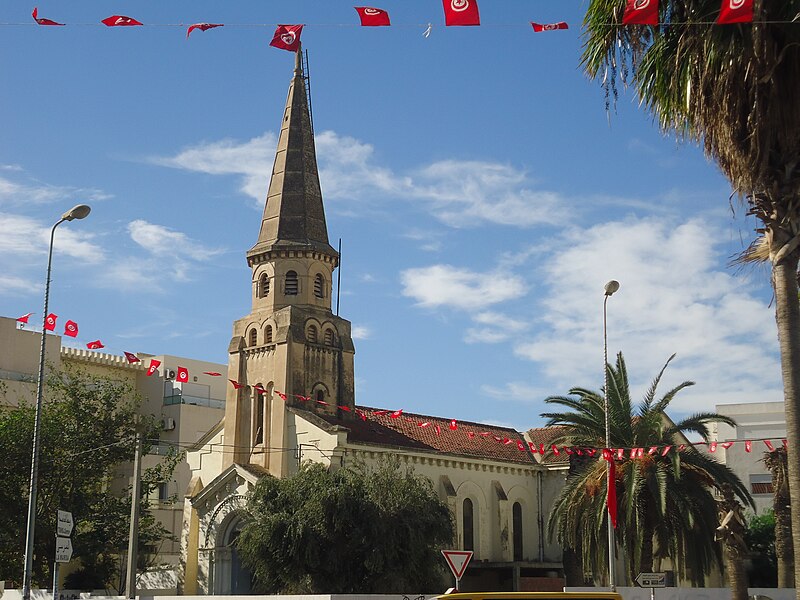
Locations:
36 18
641 12
236 384
24 318
202 27
212 373
666 450
591 451
424 424
748 446
183 375
735 11
362 414
471 434
132 358
532 447
281 396
323 403
304 398
537 27
342 407
453 424
396 414
120 21
287 37
372 17
712 447
652 451
611 497
95 345
154 364
50 322
461 12
555 449
71 329
438 430
769 445
521 446
727 445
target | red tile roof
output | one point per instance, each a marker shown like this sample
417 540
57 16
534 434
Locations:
546 435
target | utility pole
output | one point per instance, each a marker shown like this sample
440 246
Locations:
133 535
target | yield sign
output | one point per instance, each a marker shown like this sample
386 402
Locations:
457 560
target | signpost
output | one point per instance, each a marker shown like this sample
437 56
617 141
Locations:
653 581
457 560
64 526
65 523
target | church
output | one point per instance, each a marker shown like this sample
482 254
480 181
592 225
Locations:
292 399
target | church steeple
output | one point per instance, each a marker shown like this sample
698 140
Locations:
294 217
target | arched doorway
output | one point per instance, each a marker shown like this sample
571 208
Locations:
231 576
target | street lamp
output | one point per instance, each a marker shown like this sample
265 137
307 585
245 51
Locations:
80 211
610 287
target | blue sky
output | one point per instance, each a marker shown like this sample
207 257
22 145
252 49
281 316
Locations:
482 195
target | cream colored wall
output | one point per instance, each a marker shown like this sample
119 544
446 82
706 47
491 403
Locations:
19 361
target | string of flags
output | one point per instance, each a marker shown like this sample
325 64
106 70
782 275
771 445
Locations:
457 13
182 376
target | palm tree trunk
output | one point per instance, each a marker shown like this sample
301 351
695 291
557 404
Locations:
735 572
787 316
776 462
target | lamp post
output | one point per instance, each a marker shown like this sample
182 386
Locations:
610 287
76 212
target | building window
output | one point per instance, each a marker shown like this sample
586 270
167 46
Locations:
761 484
469 525
320 396
268 334
292 286
312 334
253 337
319 286
329 337
263 286
517 524
163 491
259 424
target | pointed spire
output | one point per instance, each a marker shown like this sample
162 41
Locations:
294 216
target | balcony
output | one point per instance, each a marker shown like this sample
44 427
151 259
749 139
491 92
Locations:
193 401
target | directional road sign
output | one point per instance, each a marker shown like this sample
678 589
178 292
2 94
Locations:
457 560
652 580
63 549
65 523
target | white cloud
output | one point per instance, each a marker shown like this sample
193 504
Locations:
498 328
361 332
22 236
447 286
11 284
13 193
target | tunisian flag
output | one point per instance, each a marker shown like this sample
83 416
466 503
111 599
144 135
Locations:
611 498
641 12
202 27
132 358
154 364
372 17
50 322
120 21
24 318
42 21
287 37
461 12
735 11
183 375
95 345
71 328
537 27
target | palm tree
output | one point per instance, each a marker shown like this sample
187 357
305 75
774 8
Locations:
735 89
666 504
776 462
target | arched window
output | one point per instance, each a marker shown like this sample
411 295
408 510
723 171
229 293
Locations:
329 337
319 286
253 340
469 525
263 285
312 334
291 286
268 334
259 424
517 524
320 396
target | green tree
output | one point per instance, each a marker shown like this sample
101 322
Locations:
735 89
666 505
760 538
350 530
87 429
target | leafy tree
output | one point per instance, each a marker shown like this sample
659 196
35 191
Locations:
760 538
87 430
735 89
350 530
666 505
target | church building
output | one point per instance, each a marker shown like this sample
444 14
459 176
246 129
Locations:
292 361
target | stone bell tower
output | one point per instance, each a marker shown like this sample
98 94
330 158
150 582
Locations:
291 343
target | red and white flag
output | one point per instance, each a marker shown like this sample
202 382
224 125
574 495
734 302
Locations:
236 385
212 373
735 11
641 12
120 21
183 375
611 496
202 27
396 414
95 345
50 322
154 364
132 358
537 27
42 21
453 424
287 37
71 328
461 12
24 318
372 17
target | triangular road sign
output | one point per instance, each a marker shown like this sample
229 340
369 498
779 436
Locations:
457 560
